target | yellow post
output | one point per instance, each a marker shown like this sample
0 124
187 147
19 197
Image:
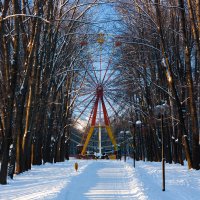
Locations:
87 140
110 134
76 166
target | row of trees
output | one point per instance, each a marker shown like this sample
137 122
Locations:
161 65
39 49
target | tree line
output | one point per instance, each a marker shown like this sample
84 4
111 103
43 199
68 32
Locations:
39 51
160 64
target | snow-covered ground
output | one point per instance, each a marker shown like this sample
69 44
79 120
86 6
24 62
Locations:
103 180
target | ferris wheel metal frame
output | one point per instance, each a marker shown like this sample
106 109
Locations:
98 97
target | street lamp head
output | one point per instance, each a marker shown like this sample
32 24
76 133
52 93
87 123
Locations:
157 110
166 108
138 123
161 109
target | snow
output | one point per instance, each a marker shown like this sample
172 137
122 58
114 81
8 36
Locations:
103 180
138 122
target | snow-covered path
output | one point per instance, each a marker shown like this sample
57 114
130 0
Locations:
106 180
103 180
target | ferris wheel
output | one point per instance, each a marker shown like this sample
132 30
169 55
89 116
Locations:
97 94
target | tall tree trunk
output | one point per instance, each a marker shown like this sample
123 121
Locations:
10 100
192 105
170 77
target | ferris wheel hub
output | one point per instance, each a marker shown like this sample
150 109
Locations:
99 90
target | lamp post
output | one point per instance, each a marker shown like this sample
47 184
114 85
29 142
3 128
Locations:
134 149
160 111
138 124
123 134
133 125
126 133
124 146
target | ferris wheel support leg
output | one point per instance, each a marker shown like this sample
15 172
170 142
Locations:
110 134
87 140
